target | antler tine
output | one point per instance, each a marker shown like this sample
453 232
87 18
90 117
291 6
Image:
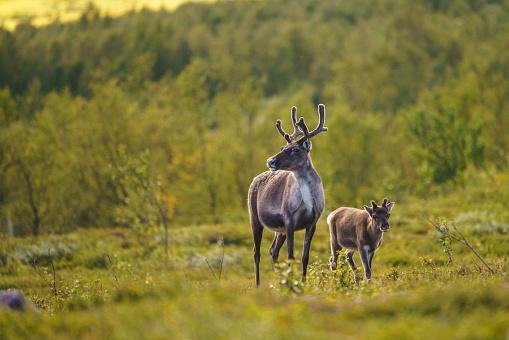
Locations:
384 203
282 132
319 128
296 131
303 127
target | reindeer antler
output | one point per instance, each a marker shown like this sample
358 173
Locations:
296 133
384 203
319 128
282 132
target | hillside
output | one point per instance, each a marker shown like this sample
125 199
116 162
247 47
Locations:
128 143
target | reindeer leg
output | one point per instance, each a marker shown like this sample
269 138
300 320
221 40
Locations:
333 261
310 231
371 255
279 240
364 251
349 259
257 238
289 236
271 250
351 263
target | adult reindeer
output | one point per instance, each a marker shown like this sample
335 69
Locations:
289 197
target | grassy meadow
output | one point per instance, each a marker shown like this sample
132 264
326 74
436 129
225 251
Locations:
110 285
129 137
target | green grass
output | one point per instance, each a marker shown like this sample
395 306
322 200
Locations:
110 286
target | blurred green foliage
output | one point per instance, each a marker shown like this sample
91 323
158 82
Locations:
416 94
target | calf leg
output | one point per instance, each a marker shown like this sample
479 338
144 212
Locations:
351 263
364 251
310 231
334 249
349 259
371 255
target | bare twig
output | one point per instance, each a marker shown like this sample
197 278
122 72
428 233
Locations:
465 242
461 239
33 263
54 284
221 260
210 267
112 269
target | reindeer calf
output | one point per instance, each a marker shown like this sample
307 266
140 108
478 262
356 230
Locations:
356 229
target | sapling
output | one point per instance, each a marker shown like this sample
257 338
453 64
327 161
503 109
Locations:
458 236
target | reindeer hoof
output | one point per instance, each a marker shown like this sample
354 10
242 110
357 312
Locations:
332 265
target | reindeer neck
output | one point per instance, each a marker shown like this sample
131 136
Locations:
375 232
307 174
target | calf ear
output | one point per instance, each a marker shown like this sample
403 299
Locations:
373 205
369 210
390 205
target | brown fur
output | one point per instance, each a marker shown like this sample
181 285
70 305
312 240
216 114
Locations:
289 197
356 229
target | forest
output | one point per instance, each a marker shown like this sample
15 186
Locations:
128 144
416 96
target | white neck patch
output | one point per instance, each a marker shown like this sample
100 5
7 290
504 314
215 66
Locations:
305 192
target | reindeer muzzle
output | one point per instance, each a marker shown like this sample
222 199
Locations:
272 164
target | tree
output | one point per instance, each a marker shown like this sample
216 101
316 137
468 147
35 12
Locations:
447 142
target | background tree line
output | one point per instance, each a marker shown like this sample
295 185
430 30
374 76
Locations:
416 94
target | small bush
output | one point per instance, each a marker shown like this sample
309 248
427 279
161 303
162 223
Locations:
96 261
481 222
289 277
4 259
46 253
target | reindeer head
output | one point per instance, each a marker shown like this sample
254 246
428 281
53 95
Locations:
295 154
380 214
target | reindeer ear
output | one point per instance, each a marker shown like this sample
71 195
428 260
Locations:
390 205
369 210
373 205
306 144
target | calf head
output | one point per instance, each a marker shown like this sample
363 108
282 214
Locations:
295 154
380 214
